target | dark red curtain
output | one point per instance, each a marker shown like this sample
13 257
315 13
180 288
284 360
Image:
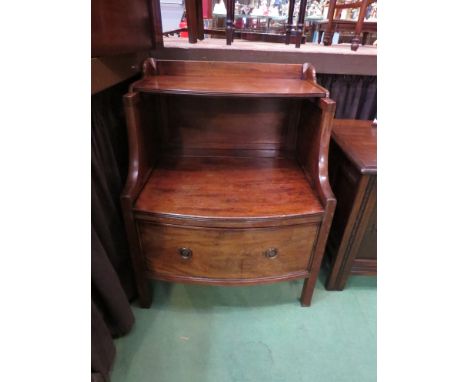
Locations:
111 274
355 96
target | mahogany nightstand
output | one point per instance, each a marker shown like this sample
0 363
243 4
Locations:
352 243
228 178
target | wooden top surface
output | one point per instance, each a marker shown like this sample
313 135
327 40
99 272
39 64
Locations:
221 78
230 86
358 140
228 188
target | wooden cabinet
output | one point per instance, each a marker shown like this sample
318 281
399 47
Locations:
352 244
228 178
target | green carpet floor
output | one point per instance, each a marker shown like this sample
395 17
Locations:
259 333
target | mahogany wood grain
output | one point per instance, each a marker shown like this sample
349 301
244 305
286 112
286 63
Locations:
226 254
120 27
228 174
300 22
229 189
191 16
154 7
210 85
358 141
140 165
312 149
225 123
222 70
352 245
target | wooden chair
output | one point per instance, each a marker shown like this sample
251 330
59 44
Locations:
196 31
335 10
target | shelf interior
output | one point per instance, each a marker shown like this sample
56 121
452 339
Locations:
228 188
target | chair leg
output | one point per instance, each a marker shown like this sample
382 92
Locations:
200 25
229 21
327 38
356 41
300 23
289 25
191 12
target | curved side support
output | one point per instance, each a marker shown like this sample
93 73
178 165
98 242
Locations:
309 74
138 171
150 67
313 154
328 107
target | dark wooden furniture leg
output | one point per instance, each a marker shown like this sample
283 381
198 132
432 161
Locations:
300 23
320 36
289 24
156 23
361 213
328 36
229 21
192 27
319 170
352 244
200 26
356 41
139 166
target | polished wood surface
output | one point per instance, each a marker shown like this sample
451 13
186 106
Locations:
228 87
222 70
352 244
226 254
358 141
227 79
228 178
121 27
229 188
197 124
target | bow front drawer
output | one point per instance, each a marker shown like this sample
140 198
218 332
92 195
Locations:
231 254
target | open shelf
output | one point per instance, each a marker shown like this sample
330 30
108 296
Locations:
248 87
228 188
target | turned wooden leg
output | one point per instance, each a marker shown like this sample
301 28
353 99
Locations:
300 23
191 12
289 24
229 21
356 41
200 25
327 38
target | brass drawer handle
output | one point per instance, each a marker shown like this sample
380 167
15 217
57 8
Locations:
271 253
185 253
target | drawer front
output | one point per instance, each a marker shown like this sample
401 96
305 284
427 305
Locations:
226 253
